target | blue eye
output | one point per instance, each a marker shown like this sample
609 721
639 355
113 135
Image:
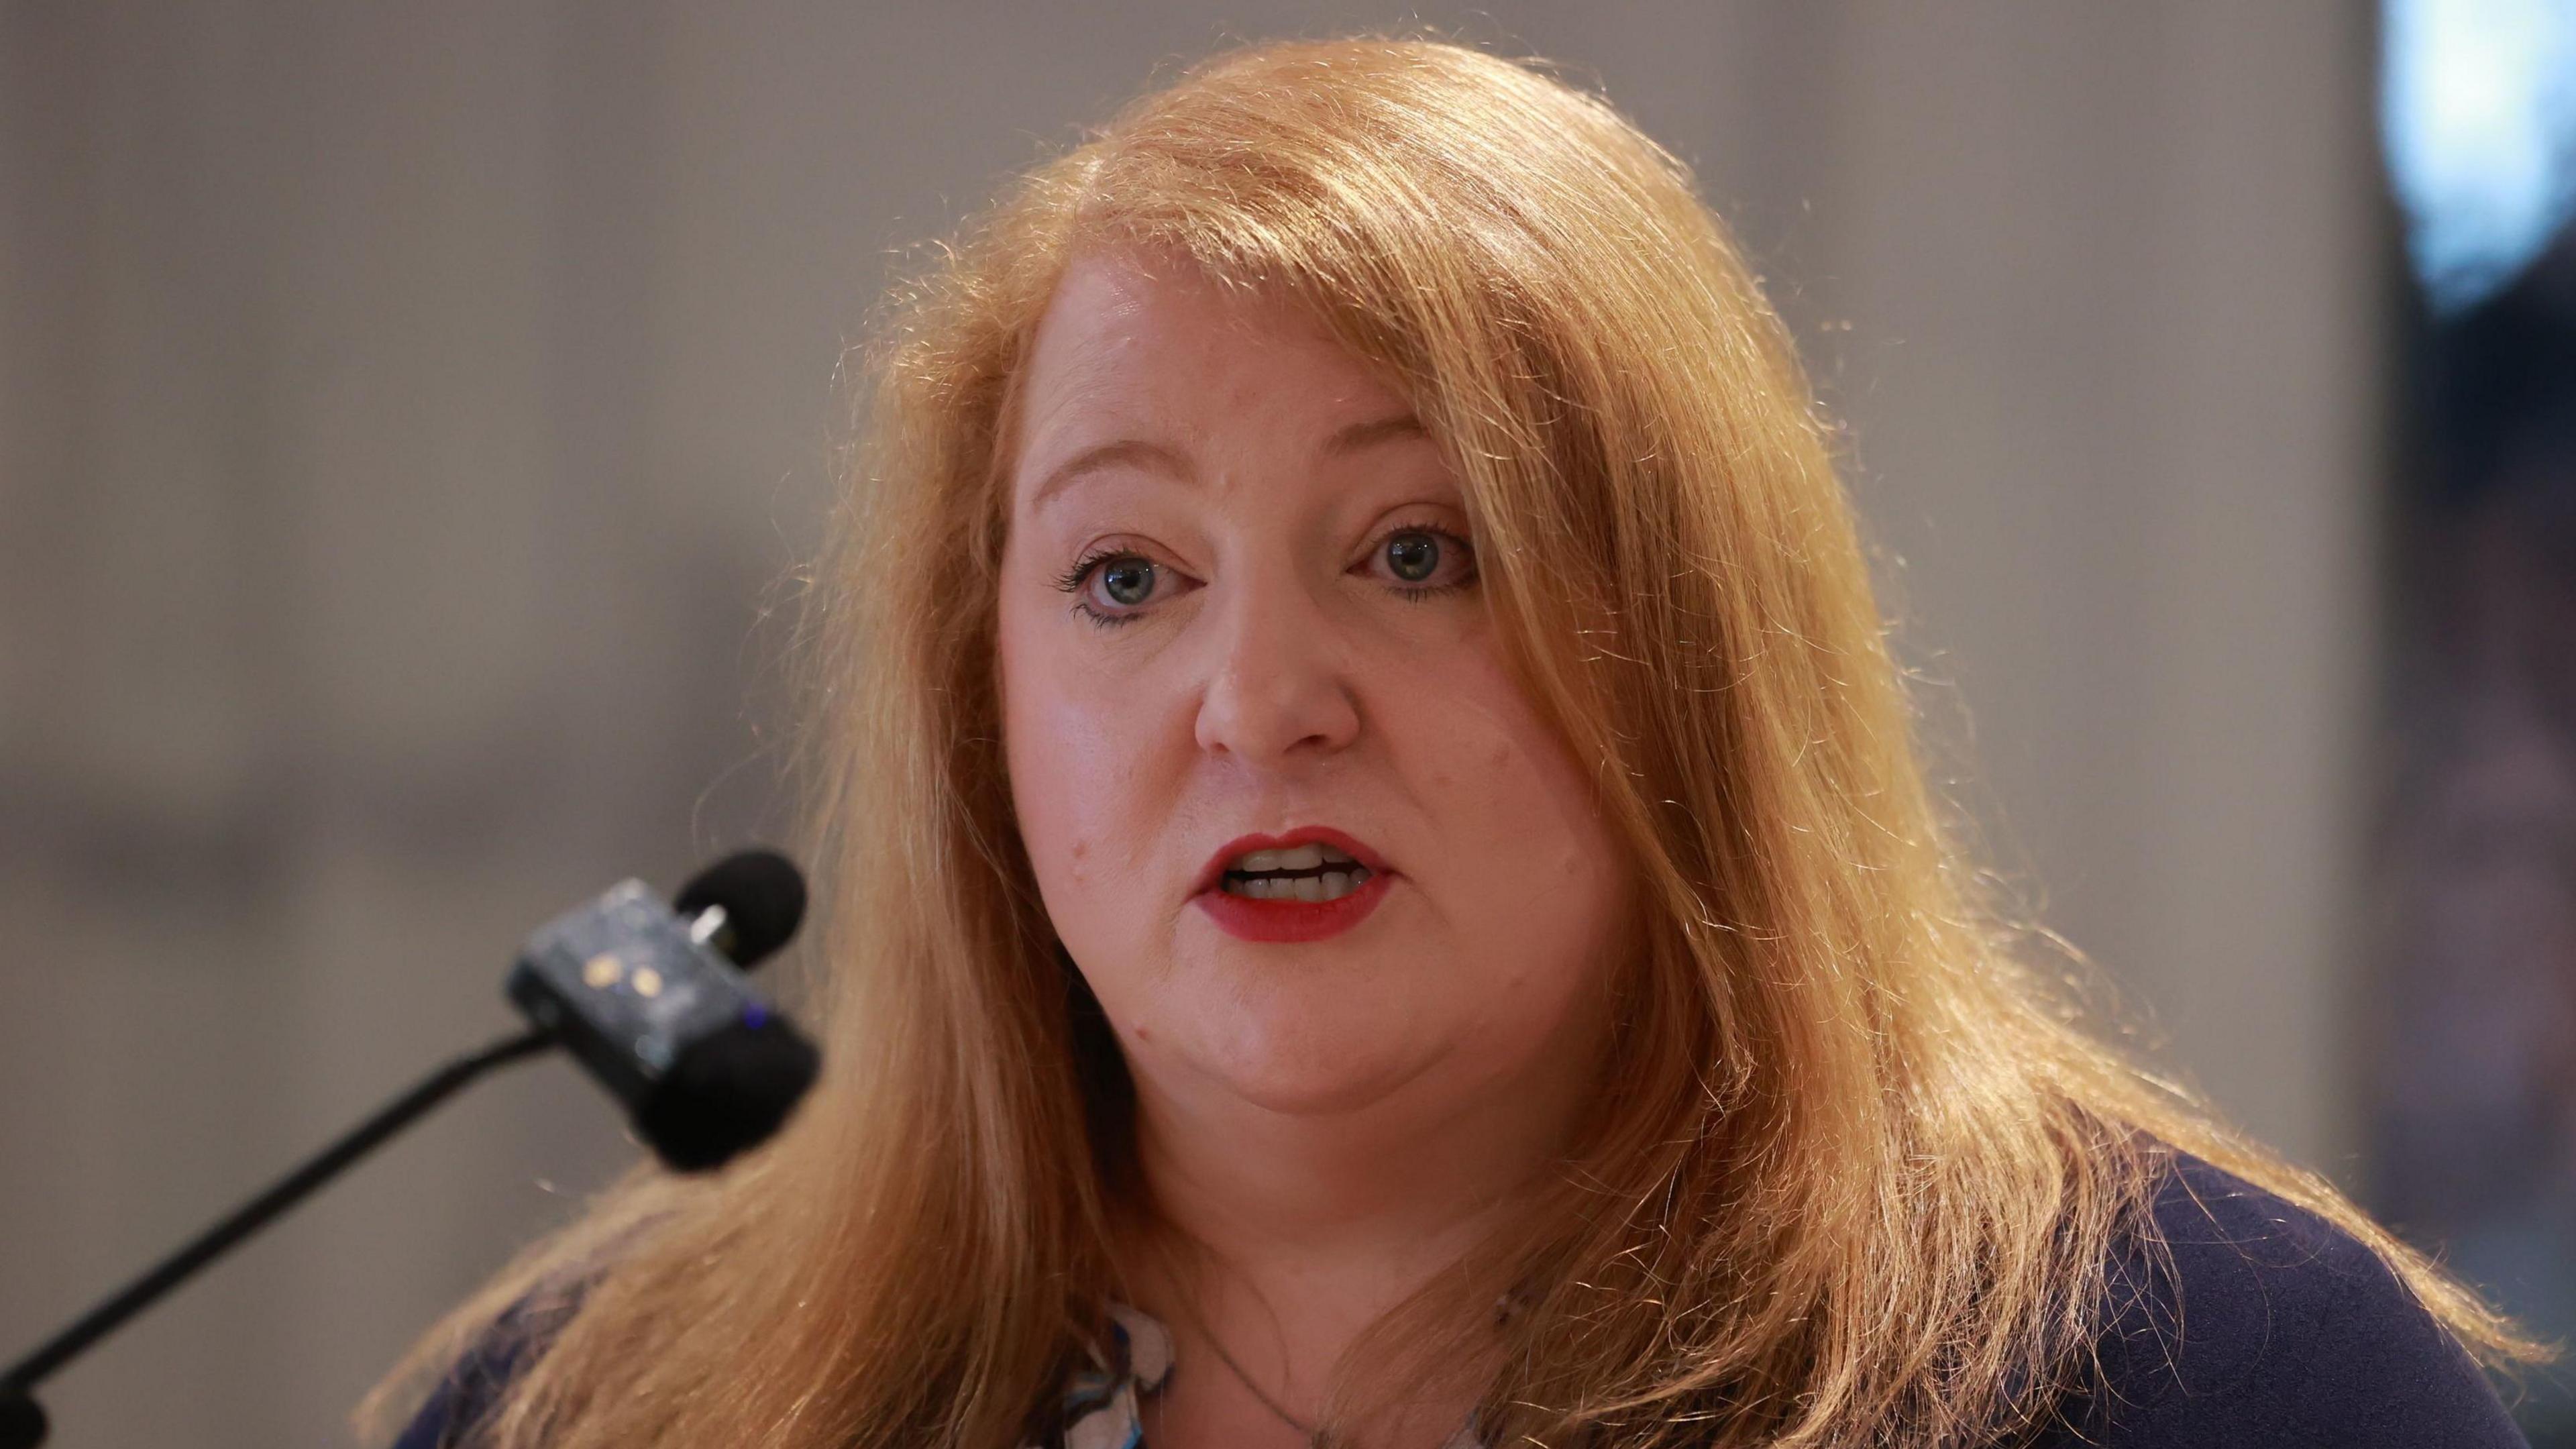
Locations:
1421 560
1128 581
1125 580
1413 554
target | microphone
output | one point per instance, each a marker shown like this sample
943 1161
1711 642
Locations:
642 995
649 998
762 898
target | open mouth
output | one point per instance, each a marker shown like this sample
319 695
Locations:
1310 872
1308 884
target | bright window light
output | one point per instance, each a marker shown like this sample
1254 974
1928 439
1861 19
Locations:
2478 113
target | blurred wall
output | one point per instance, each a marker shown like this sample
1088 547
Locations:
407 414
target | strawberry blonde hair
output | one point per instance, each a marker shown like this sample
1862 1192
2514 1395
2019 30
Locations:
1860 1171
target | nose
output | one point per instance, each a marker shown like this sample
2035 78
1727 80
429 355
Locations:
1276 687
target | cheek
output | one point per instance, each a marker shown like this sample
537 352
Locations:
1049 739
1529 875
1072 741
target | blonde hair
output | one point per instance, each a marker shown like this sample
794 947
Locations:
1859 1174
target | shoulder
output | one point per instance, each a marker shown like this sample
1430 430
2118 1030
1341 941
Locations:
473 1386
2262 1323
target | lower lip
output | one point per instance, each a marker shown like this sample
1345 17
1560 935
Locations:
1247 919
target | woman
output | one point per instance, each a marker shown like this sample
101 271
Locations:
1383 894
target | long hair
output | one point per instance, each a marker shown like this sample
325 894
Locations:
1859 1171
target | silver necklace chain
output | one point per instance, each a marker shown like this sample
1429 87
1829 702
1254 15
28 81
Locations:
1314 1436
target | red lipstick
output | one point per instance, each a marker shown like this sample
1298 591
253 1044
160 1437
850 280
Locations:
1247 919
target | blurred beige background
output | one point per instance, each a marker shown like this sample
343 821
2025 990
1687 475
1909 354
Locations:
408 414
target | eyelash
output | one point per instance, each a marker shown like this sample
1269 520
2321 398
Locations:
1074 579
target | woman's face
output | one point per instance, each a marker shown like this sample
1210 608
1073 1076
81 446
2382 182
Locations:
1239 614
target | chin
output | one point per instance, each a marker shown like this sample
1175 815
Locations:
1318 1058
1297 1089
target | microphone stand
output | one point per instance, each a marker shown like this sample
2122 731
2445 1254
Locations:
22 1422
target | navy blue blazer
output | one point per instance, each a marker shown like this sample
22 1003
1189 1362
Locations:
2272 1328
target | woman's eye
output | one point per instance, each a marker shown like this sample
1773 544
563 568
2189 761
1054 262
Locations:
1127 581
1426 560
1108 586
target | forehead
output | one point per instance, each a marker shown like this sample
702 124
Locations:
1150 342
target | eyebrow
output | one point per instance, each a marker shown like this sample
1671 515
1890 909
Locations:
1126 452
1362 435
1139 453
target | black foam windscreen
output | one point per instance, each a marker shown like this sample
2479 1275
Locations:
727 1092
763 895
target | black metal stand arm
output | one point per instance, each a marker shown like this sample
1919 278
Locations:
22 1422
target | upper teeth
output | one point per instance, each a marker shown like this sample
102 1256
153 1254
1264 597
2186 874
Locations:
1294 857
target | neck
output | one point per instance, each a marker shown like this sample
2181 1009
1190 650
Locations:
1298 1230
1378 1187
